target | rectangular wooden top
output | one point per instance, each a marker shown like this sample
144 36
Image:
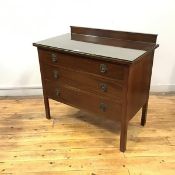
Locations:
99 45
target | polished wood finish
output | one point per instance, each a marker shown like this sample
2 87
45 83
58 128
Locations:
114 38
85 81
111 87
131 36
83 100
77 143
83 64
139 84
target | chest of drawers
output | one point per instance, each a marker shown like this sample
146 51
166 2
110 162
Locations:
101 71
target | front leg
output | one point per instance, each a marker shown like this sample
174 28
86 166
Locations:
144 113
123 135
47 107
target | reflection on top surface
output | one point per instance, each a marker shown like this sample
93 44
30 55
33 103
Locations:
65 43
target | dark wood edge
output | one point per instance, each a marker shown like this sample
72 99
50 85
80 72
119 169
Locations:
124 35
98 57
146 53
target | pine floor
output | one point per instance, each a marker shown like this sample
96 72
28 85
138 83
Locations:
77 143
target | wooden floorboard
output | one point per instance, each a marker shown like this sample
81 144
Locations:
74 142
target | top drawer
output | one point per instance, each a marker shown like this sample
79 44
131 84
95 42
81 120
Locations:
80 63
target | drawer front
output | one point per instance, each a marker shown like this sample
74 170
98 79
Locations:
84 81
83 100
79 63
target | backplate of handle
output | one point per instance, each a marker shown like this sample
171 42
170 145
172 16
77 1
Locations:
103 87
55 74
103 68
57 91
103 107
53 57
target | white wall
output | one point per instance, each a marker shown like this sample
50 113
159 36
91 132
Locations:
24 22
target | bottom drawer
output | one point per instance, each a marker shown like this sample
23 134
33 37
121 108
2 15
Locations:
83 100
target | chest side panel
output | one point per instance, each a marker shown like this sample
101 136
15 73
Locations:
139 84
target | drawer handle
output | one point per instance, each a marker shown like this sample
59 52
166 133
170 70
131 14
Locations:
54 57
55 74
103 87
102 107
103 68
57 92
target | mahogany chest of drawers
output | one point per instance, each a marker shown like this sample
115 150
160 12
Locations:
104 72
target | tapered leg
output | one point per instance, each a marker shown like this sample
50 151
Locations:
47 108
123 135
144 113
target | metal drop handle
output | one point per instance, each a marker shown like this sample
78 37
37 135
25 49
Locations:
103 68
58 92
103 87
55 74
53 57
102 107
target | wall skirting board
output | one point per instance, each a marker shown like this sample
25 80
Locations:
21 91
37 90
163 88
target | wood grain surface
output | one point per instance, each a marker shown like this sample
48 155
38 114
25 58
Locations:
84 81
77 143
90 64
80 63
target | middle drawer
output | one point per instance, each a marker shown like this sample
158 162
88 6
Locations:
83 81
